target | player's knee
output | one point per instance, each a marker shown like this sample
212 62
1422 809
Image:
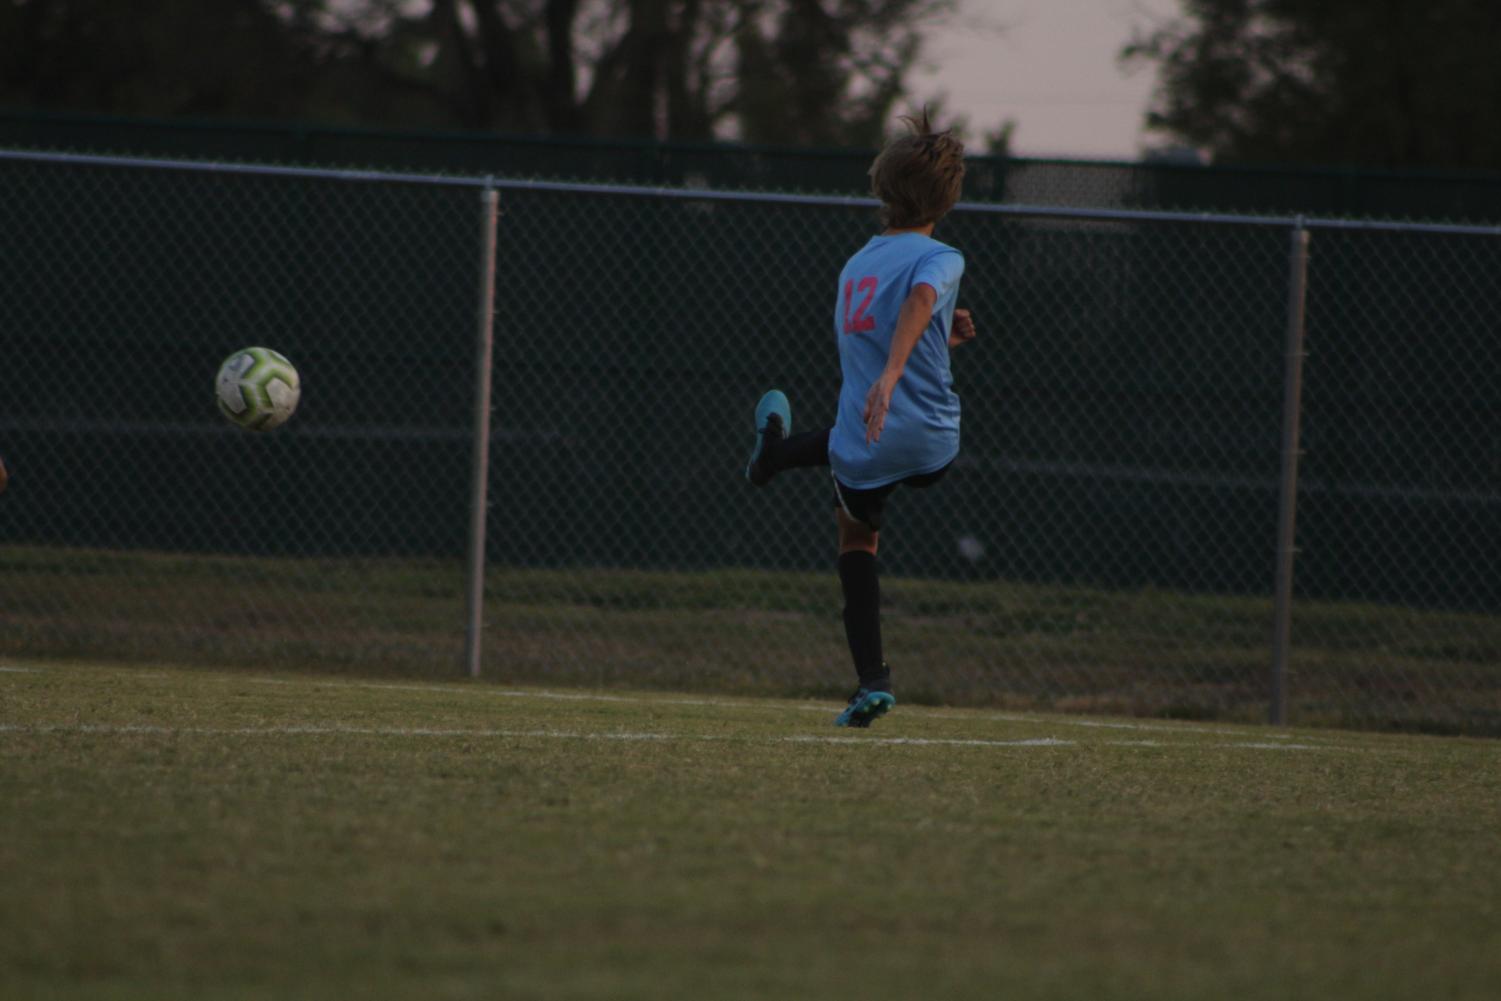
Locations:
866 545
856 536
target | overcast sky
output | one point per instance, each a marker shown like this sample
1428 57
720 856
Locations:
1051 65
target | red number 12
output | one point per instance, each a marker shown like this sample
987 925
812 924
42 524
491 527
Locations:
859 323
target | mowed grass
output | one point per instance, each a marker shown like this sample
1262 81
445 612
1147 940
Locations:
214 834
997 643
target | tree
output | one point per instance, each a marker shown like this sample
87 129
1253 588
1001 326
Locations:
1382 82
826 72
170 57
804 71
820 76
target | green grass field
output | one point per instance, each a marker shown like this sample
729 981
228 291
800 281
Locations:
208 834
993 643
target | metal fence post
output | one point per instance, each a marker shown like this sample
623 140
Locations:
1287 507
480 470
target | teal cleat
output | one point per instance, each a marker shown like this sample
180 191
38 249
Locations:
773 425
865 708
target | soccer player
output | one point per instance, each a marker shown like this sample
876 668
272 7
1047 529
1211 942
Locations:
898 419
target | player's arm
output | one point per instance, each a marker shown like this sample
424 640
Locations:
915 315
962 331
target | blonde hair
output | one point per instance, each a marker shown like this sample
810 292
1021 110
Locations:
918 176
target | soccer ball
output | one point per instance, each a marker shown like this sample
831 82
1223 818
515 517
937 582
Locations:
258 389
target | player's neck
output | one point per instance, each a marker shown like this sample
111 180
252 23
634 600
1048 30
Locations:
925 230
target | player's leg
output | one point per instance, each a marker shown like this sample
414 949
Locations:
859 514
858 517
776 448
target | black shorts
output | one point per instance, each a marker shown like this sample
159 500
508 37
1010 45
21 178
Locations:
867 506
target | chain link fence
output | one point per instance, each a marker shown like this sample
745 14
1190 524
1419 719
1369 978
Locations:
1454 196
139 526
1107 542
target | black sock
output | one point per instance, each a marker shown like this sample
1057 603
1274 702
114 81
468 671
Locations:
811 448
862 617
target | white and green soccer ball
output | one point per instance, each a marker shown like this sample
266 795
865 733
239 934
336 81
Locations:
258 389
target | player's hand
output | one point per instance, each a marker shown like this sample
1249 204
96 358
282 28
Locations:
962 330
877 403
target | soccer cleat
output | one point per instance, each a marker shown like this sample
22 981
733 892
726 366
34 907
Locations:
773 425
865 708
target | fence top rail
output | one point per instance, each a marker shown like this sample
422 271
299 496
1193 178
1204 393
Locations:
1078 214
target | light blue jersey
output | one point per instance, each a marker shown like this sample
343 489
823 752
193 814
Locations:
922 427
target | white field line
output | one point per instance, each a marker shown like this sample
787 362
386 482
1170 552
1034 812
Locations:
504 693
906 710
1110 725
315 730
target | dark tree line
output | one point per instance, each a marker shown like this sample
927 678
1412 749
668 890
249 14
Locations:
1396 83
1386 82
829 72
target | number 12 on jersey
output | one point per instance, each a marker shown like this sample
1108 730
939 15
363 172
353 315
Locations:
859 322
